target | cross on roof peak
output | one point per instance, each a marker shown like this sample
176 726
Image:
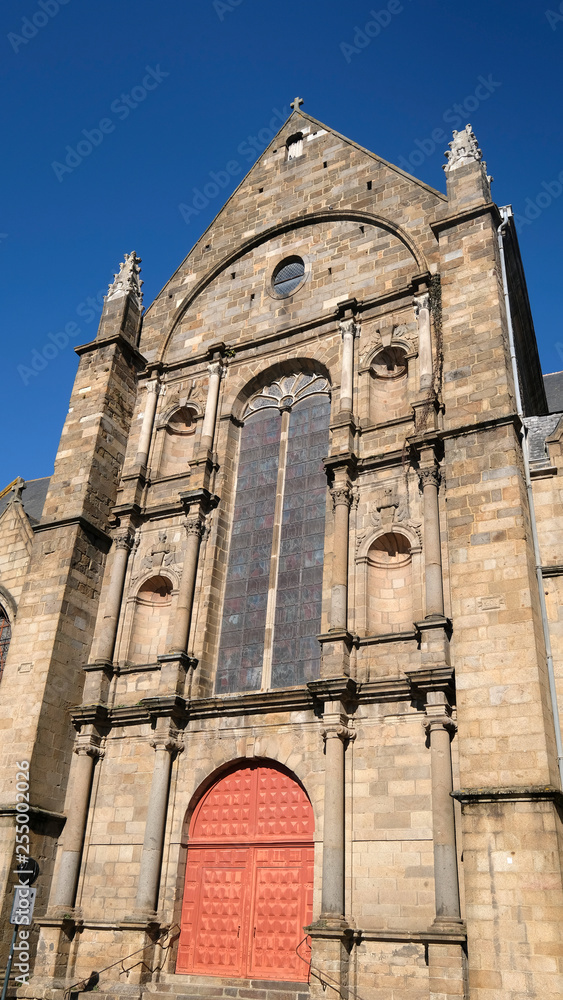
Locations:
296 104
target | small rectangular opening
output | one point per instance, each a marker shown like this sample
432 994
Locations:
260 190
325 164
233 274
369 185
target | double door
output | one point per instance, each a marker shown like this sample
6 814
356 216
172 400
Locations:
244 911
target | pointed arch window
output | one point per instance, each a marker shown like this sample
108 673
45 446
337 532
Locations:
5 637
272 608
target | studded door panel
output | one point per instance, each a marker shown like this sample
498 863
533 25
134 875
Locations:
282 892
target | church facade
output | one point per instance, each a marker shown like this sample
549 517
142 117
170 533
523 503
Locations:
285 647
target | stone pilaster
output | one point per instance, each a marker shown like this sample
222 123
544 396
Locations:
87 751
429 476
166 747
152 392
217 371
440 729
422 313
348 330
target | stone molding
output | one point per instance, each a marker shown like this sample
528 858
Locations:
516 793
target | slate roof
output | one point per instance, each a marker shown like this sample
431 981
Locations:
554 391
33 498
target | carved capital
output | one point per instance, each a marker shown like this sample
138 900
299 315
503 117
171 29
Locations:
194 526
341 732
421 302
442 721
168 743
429 477
349 327
153 387
340 495
217 368
86 746
124 539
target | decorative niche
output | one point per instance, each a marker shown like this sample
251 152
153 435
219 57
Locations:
150 620
176 444
389 385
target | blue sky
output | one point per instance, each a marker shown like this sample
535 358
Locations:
219 73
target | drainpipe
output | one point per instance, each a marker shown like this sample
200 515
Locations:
506 214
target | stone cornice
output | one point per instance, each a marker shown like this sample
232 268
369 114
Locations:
81 521
333 689
489 208
516 793
422 937
297 699
120 341
556 570
36 813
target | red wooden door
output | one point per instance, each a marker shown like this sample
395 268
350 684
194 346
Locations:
249 878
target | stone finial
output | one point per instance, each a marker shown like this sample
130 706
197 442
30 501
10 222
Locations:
127 280
18 488
463 149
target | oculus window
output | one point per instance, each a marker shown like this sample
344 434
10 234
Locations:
272 609
287 276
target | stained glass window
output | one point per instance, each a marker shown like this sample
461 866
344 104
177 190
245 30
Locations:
288 275
5 636
272 609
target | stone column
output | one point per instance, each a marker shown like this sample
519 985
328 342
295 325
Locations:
165 747
332 903
216 371
152 392
348 330
429 482
422 313
194 527
440 728
123 543
341 500
63 893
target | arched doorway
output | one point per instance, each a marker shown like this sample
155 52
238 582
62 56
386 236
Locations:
249 877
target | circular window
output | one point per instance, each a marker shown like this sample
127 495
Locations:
288 275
